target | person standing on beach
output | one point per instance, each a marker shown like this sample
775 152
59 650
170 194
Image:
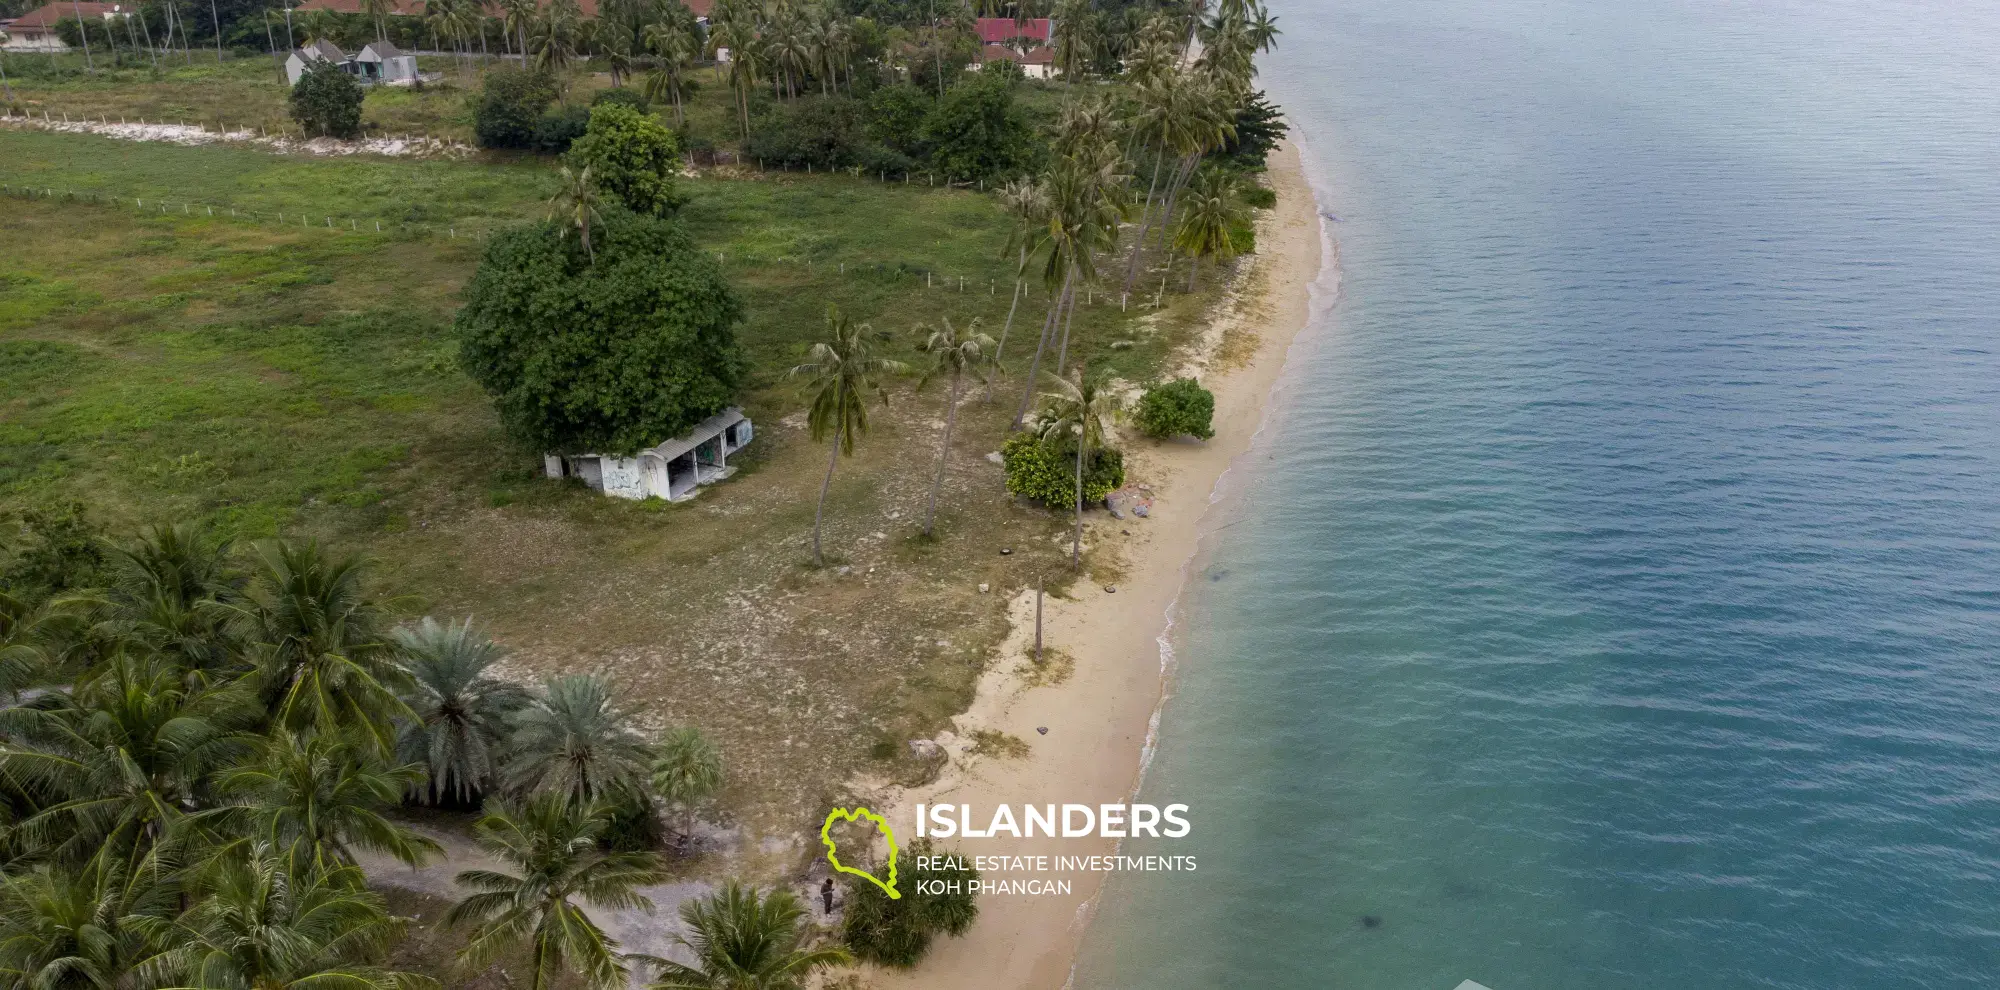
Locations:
826 894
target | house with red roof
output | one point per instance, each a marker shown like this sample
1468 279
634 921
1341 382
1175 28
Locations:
1028 43
35 31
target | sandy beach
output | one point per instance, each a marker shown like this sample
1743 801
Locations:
1100 718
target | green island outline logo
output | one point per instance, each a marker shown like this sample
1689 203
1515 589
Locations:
826 838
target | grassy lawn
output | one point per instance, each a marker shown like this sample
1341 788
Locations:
279 379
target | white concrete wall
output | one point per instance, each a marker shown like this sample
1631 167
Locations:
624 477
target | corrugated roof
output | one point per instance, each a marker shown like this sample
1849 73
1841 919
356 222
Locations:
993 30
704 431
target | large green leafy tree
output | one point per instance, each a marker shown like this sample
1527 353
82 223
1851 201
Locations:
631 157
610 355
977 132
510 104
327 102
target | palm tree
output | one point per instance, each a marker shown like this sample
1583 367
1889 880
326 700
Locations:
843 367
733 29
1086 195
575 202
1028 201
88 928
379 11
952 355
1207 229
687 771
120 759
257 925
178 596
672 40
743 939
552 846
316 800
576 743
519 15
459 712
1077 409
555 42
323 661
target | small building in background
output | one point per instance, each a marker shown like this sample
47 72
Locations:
1028 43
35 31
320 50
380 61
672 470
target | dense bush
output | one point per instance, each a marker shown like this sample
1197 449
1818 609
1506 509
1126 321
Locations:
1259 128
823 131
607 356
50 551
1046 470
560 127
622 97
327 101
896 117
632 158
510 105
1259 197
898 932
1177 408
977 132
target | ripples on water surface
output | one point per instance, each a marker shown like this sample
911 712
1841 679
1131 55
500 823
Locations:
1619 607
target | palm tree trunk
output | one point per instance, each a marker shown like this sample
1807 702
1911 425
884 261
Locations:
819 513
1145 221
1001 351
1062 355
1173 196
1076 541
1035 367
1194 269
944 453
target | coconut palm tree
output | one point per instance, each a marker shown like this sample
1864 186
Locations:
575 742
379 11
843 368
733 28
318 643
1028 202
86 928
519 15
953 355
673 43
744 939
551 844
119 759
1207 229
459 713
258 925
575 202
316 800
1087 196
555 40
687 771
178 596
1079 409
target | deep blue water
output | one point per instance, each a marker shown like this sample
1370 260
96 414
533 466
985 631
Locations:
1619 607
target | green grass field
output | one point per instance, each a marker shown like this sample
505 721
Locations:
299 380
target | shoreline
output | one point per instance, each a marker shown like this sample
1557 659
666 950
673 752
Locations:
1101 719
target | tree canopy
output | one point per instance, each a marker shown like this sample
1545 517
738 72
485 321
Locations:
608 355
327 101
631 157
977 132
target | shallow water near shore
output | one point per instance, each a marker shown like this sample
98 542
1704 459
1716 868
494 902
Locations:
1617 607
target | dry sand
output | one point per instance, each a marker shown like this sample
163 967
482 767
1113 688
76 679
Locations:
1101 718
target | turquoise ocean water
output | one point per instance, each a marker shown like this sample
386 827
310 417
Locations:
1620 607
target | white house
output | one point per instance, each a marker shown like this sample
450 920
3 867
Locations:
672 470
35 31
380 61
321 50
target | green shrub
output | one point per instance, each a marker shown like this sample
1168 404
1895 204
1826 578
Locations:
896 117
1177 408
51 550
977 132
1259 197
607 356
823 131
623 97
634 824
327 101
631 158
1046 471
510 105
935 899
559 128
